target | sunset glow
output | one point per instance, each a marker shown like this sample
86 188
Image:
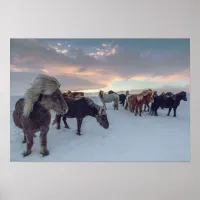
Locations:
93 64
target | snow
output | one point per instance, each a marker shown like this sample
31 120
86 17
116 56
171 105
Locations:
129 138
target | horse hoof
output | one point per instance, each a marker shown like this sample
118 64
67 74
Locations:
26 153
78 134
58 128
67 127
45 153
24 141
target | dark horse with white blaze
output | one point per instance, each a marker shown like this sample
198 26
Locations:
122 97
167 100
79 108
32 113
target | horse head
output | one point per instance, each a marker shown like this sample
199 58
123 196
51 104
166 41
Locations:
101 93
102 118
183 95
46 90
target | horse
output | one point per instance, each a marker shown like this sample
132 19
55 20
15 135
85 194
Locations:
73 94
129 96
137 100
32 113
79 108
127 101
122 97
107 98
146 104
168 100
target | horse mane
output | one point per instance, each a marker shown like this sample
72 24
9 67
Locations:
42 84
91 103
144 93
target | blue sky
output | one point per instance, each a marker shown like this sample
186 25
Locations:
94 64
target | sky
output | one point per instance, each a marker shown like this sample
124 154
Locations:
92 64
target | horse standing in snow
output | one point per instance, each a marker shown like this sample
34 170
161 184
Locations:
32 113
138 100
127 102
167 100
79 108
108 98
146 104
122 97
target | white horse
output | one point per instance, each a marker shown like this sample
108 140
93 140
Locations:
127 103
108 98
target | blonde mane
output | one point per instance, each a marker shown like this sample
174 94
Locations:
144 93
42 84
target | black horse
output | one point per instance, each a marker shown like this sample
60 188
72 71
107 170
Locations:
167 100
79 108
122 97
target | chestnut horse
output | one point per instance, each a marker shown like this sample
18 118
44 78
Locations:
137 100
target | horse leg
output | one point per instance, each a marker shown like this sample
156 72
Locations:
58 119
65 122
29 143
117 105
169 111
24 140
79 123
136 110
156 109
140 107
126 104
147 107
174 111
43 141
104 105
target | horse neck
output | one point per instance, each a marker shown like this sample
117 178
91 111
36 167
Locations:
41 103
93 111
178 98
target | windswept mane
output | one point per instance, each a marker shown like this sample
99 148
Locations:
42 84
93 105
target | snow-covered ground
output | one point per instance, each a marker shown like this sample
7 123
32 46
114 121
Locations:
129 138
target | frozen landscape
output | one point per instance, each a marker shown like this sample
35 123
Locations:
129 138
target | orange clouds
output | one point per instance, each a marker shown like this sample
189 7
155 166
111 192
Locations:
173 77
184 75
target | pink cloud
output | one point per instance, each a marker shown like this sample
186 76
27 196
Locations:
184 75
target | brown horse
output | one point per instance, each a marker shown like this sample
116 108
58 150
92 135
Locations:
146 104
32 113
137 100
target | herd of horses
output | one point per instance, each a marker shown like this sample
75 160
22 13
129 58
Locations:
32 113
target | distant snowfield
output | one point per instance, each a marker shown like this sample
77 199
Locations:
129 138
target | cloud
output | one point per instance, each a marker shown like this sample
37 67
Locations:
100 64
20 81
